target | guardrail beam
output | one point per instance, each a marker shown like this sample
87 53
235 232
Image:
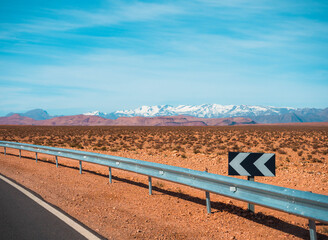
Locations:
304 204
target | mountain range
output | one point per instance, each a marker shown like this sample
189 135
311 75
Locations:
36 114
167 115
85 120
258 114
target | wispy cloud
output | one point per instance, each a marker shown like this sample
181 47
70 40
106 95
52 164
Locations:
68 19
128 12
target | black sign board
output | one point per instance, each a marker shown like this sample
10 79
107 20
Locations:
252 164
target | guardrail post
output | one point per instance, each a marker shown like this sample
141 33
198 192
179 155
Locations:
251 206
20 154
312 229
80 167
110 174
36 157
4 150
208 200
150 185
57 161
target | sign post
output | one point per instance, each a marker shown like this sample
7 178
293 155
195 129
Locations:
251 165
250 207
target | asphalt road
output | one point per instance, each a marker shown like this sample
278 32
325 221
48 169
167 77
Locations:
23 218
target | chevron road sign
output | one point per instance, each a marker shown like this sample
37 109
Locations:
252 164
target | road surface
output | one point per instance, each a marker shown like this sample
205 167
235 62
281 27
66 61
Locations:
23 218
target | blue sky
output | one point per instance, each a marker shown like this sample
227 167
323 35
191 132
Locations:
69 57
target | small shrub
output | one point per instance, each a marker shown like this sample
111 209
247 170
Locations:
316 160
196 151
281 151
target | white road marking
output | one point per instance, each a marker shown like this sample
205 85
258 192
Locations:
84 232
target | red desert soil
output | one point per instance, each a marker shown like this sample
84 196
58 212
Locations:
124 210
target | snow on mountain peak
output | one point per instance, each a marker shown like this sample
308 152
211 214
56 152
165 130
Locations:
94 113
204 110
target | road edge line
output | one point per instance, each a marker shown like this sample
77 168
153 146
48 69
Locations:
77 227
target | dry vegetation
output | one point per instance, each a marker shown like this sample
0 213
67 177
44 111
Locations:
309 144
300 148
301 162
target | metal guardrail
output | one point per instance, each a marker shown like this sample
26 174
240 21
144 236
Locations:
305 204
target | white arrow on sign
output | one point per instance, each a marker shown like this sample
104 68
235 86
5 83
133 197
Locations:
235 164
259 163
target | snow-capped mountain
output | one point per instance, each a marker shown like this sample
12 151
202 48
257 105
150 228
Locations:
205 111
259 114
96 113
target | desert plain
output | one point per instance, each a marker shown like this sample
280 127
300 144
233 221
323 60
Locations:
124 210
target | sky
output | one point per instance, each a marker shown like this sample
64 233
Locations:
71 57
